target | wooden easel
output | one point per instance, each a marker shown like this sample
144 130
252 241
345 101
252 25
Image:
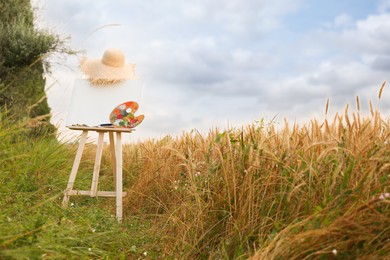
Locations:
116 158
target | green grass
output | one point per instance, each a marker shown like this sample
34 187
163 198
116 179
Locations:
33 223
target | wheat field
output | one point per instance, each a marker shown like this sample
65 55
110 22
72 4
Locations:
264 191
310 191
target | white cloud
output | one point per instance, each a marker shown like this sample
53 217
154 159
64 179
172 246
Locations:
343 20
237 16
371 35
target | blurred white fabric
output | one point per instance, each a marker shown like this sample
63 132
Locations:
91 105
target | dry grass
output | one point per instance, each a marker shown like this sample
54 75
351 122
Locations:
300 192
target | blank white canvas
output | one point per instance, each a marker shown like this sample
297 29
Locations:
92 105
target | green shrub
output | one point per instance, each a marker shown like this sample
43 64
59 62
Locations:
23 49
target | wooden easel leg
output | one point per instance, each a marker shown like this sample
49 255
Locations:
96 169
113 157
75 168
119 176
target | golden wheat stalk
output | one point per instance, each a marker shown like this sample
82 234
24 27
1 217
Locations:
371 109
327 128
347 117
327 106
357 103
381 89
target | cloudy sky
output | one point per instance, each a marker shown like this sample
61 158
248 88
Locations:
227 63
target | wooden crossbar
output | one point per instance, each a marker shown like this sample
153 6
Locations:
111 194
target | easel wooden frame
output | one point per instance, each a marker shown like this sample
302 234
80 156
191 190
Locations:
116 158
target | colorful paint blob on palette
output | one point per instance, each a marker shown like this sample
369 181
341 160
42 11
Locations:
123 115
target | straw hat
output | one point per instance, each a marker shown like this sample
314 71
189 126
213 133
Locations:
111 68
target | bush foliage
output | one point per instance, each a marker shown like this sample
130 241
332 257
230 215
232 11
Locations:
23 48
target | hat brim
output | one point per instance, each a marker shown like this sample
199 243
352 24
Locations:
95 70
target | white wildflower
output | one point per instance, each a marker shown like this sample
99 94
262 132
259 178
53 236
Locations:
72 204
384 196
89 249
334 251
145 253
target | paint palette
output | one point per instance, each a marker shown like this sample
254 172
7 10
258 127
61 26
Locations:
123 115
